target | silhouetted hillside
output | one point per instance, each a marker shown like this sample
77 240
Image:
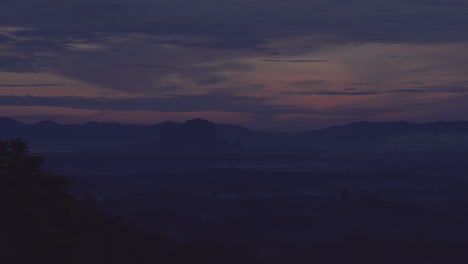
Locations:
203 136
375 134
194 136
48 136
42 223
10 127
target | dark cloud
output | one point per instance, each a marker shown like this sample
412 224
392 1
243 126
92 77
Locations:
442 3
245 24
178 103
364 83
31 85
211 79
357 92
395 20
204 75
431 89
401 57
17 64
170 88
310 83
255 86
159 47
293 61
37 44
25 62
4 38
158 66
410 90
236 66
232 26
35 118
129 62
412 83
329 93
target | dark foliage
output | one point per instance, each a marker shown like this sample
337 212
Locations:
42 223
35 207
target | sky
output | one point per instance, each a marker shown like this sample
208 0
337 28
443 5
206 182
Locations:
266 64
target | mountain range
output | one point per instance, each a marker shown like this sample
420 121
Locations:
199 135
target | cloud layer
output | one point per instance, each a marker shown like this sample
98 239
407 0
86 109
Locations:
277 61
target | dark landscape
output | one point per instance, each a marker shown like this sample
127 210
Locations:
323 196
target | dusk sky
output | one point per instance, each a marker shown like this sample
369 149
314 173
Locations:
265 64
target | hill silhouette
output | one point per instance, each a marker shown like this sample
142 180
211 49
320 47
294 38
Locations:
203 136
193 136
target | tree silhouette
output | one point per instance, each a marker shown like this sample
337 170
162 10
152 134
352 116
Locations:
34 207
40 222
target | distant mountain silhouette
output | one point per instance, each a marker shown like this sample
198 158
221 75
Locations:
195 136
367 134
48 136
46 123
9 126
6 121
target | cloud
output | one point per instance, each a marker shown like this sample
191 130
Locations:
22 64
179 103
31 85
4 38
127 62
237 67
358 20
412 83
432 89
356 92
98 41
17 64
329 93
310 83
157 66
364 83
293 61
401 57
35 118
210 79
158 48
